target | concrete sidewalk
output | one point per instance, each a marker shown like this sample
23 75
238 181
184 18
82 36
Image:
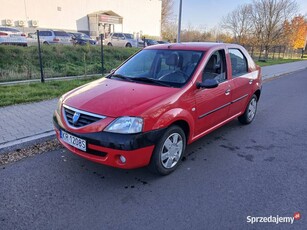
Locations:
27 123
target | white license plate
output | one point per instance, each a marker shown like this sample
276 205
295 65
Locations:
73 141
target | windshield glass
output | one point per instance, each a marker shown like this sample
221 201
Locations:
171 67
152 42
83 36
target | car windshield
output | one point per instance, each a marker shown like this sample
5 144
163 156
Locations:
129 36
83 36
152 42
170 67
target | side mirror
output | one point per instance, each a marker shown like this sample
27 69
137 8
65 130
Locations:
207 84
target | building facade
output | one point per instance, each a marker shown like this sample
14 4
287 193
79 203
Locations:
93 17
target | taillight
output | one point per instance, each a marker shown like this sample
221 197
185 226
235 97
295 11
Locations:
56 40
3 34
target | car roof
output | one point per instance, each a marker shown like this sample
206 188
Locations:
201 46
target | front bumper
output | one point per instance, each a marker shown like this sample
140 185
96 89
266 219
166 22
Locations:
106 148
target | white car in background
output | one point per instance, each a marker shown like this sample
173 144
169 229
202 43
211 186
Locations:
12 36
52 37
121 39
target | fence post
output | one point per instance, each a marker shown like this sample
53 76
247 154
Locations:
101 49
40 57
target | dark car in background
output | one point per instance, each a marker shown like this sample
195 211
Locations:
147 42
12 36
163 42
82 39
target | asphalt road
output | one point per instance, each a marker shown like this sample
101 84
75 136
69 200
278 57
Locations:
237 171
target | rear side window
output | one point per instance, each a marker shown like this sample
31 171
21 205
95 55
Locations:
238 62
61 33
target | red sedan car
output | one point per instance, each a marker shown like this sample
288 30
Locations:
161 99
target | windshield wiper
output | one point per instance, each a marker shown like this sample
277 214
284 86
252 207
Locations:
121 77
150 80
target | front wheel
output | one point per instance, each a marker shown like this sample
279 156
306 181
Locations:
129 45
250 111
169 151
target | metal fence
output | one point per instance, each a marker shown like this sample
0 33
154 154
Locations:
40 61
274 52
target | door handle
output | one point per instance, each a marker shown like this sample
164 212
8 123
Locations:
251 81
227 92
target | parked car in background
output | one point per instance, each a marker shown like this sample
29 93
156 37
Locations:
50 37
163 42
147 42
161 99
121 39
82 39
12 36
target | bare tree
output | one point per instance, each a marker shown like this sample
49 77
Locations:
167 11
168 26
239 22
268 17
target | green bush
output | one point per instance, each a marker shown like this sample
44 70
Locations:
20 63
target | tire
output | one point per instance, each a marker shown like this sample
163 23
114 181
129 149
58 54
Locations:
165 159
250 112
128 45
46 43
110 44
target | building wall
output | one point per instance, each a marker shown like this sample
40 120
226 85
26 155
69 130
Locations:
138 15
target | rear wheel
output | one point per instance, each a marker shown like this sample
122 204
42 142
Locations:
169 151
250 111
128 45
110 44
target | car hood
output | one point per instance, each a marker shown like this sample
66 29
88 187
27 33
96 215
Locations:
115 98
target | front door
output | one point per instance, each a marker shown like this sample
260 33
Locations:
212 105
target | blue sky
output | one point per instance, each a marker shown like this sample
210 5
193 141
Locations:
205 14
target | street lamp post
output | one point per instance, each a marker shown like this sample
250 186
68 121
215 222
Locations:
179 22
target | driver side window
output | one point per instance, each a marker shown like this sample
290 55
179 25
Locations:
215 67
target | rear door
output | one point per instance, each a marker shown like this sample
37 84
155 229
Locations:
212 105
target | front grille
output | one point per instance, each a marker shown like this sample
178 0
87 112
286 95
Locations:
84 118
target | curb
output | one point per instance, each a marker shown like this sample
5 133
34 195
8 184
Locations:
26 141
267 78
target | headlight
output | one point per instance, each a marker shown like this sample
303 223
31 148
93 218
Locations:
126 125
59 106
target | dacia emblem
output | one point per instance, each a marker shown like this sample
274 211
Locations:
75 118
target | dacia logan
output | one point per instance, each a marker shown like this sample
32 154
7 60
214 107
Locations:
160 100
